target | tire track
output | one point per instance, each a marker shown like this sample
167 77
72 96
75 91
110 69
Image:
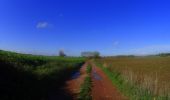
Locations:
103 89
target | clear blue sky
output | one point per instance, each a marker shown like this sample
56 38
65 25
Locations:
110 26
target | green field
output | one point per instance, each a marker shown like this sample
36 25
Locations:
30 77
146 77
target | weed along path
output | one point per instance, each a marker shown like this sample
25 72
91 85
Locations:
102 87
73 85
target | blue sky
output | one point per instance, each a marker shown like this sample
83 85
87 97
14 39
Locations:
111 27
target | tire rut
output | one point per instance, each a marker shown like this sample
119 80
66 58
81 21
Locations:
103 89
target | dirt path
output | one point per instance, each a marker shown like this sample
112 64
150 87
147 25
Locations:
73 85
103 88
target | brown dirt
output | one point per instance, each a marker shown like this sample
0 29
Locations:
73 85
103 88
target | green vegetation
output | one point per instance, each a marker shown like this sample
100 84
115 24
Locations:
89 69
85 92
94 54
139 78
164 54
29 77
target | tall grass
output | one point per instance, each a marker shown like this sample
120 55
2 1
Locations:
138 83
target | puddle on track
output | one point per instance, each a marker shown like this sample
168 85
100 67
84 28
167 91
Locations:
96 76
75 75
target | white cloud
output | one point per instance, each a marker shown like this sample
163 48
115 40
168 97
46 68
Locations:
42 25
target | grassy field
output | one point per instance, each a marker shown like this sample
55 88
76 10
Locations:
146 77
29 77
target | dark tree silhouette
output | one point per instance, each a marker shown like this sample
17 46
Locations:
61 53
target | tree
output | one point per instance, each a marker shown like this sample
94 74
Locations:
61 53
91 54
96 54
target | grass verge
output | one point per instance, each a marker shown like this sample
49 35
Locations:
89 69
85 91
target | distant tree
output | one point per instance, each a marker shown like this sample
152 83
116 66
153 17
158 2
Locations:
91 54
96 54
61 53
164 54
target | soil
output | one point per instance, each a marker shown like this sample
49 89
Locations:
103 89
73 85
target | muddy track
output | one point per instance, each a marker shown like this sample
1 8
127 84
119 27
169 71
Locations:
103 89
73 85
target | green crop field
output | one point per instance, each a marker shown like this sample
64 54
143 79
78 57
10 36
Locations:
29 77
151 75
